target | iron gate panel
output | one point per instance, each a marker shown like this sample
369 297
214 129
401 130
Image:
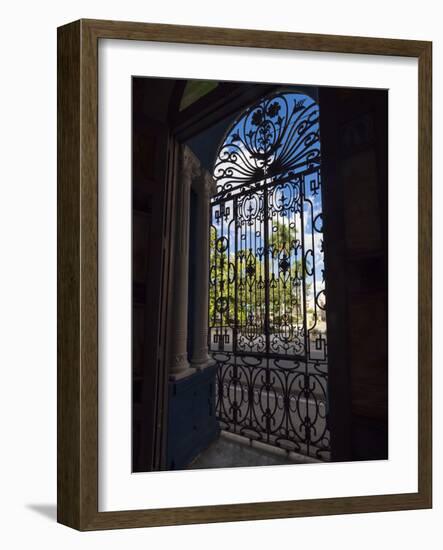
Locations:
267 307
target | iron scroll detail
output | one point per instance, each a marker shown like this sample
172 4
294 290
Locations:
267 299
274 138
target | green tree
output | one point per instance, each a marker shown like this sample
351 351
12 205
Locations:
285 286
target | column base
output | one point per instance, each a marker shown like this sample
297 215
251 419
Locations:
174 376
201 365
192 423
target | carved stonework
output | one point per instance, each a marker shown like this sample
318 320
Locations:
190 166
205 187
201 359
181 362
189 170
191 174
204 184
209 185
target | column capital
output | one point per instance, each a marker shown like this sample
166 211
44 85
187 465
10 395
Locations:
190 165
205 183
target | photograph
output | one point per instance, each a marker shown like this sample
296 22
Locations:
259 274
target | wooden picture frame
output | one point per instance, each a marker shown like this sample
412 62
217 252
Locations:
77 454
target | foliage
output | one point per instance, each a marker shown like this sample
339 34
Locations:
285 281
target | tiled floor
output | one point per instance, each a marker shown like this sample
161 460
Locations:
228 453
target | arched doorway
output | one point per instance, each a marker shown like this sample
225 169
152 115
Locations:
247 160
267 310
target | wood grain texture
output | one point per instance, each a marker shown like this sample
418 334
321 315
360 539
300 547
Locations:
77 274
68 275
253 38
425 273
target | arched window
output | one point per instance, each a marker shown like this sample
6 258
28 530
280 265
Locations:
267 289
273 139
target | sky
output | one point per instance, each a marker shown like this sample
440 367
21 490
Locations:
290 118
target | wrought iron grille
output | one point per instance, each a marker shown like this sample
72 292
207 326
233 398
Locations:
267 307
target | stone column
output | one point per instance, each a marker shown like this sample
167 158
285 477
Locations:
205 187
189 170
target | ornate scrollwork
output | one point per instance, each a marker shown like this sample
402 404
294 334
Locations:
275 137
267 291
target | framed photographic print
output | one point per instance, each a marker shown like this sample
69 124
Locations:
244 274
